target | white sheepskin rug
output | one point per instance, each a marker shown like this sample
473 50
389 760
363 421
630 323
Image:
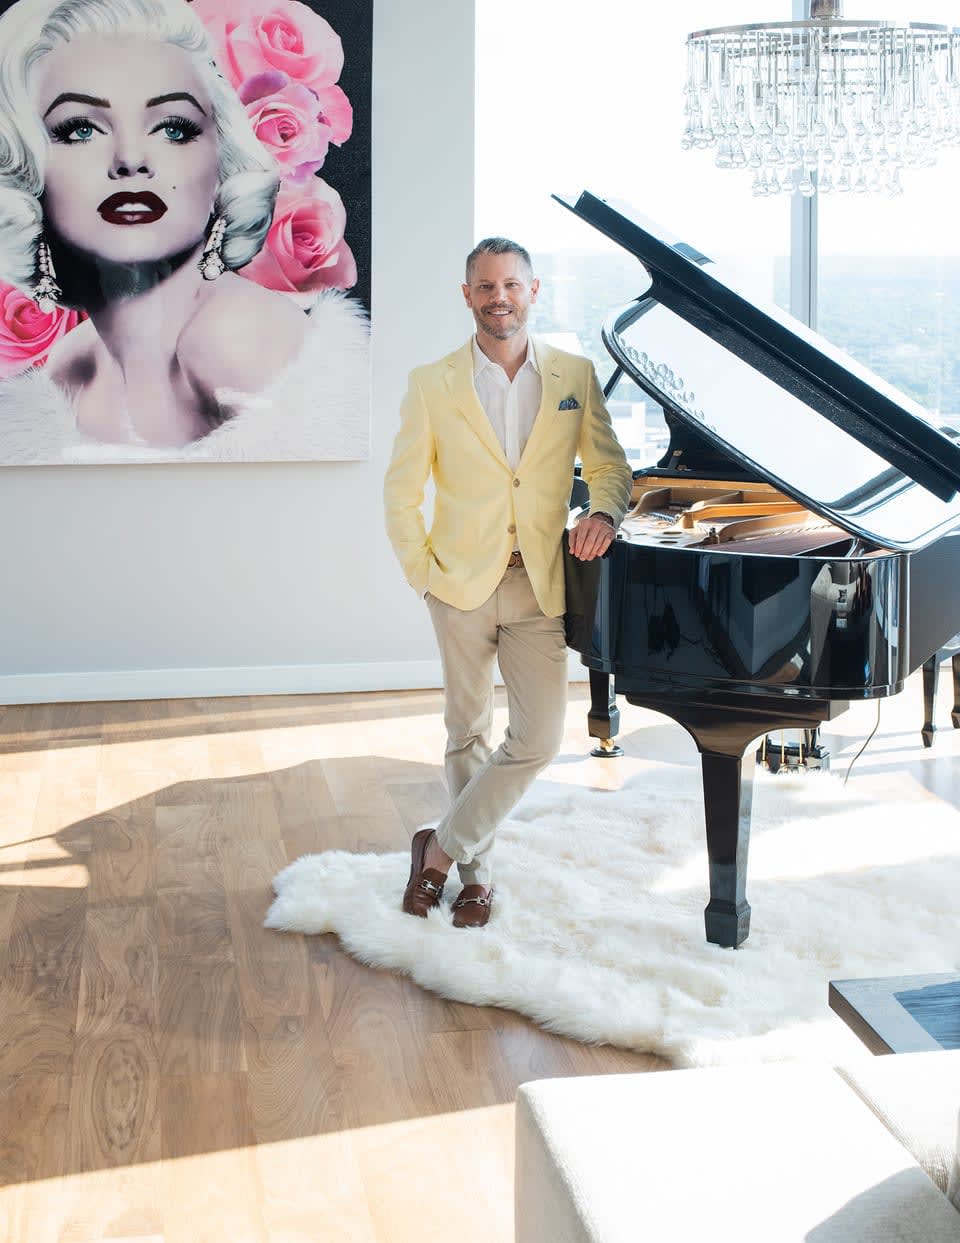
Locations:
597 928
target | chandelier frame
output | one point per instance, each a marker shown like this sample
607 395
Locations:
821 23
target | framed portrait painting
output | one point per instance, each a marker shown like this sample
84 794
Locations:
184 230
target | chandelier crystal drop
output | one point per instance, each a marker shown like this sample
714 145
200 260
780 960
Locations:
824 104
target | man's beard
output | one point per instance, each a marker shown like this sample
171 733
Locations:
501 330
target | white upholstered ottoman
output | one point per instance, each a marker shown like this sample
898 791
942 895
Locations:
765 1154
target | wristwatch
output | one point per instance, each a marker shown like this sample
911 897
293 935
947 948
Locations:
606 517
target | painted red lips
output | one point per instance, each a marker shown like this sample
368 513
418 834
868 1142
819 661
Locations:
130 207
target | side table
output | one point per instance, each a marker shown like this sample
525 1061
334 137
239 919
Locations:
901 1014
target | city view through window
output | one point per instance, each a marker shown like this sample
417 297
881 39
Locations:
576 99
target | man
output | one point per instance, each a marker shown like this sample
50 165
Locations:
499 423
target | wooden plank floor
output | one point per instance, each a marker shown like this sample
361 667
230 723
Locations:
169 1070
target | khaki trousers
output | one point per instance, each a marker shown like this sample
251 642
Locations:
484 786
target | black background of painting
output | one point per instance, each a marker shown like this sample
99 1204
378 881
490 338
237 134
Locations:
347 168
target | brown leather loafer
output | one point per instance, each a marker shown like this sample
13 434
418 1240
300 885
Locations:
425 886
472 907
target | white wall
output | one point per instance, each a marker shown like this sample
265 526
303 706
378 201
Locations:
136 582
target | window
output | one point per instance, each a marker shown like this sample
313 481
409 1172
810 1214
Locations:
574 96
889 269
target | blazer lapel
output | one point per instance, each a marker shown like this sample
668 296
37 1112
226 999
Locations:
551 382
459 380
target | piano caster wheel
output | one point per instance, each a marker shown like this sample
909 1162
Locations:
607 749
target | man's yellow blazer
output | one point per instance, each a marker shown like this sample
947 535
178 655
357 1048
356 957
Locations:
482 508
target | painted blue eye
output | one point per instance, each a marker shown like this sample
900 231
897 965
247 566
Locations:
178 130
75 129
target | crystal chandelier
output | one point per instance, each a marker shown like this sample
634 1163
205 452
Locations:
823 104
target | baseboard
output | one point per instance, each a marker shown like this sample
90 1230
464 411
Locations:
126 684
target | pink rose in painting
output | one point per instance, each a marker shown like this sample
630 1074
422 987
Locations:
336 113
290 121
305 250
222 16
27 334
284 35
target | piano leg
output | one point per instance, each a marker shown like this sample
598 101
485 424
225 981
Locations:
726 734
603 719
931 675
955 714
727 803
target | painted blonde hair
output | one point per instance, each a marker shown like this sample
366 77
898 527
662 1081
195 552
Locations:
31 29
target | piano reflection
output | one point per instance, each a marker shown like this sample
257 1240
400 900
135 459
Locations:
795 548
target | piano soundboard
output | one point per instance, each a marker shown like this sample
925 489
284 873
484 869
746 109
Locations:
701 514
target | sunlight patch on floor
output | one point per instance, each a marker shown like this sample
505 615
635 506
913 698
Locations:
399 1182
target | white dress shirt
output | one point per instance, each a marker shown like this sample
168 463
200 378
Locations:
511 406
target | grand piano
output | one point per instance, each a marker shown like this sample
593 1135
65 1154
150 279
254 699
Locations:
795 548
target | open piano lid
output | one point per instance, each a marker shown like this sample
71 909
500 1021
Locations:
769 392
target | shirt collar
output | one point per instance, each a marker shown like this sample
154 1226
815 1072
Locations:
481 362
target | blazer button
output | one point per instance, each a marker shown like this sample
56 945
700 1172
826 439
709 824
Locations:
516 483
511 529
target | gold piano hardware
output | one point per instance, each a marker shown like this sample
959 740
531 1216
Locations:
701 513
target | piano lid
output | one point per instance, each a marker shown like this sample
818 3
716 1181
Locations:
766 390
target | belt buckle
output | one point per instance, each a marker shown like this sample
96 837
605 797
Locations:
515 562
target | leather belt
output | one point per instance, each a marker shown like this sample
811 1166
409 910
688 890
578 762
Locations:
515 561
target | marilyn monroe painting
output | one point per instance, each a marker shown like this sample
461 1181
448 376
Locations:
175 274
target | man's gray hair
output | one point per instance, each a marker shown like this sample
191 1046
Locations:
498 246
29 30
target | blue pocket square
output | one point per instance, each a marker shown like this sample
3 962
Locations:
569 403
